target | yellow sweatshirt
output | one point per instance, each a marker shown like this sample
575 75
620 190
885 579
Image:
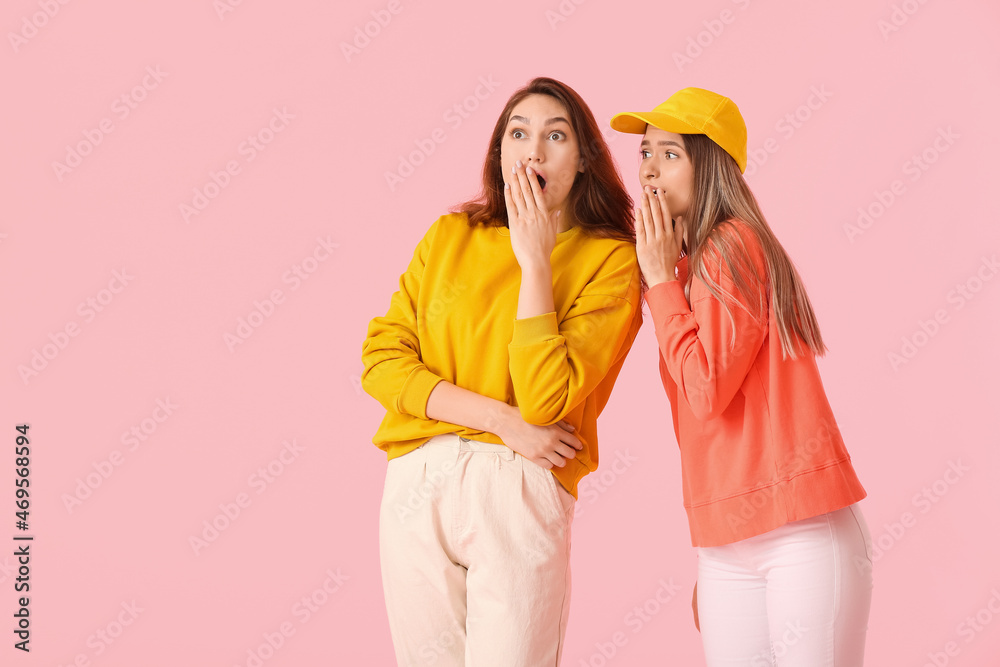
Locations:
453 319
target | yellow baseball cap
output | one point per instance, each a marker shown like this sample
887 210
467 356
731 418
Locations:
694 111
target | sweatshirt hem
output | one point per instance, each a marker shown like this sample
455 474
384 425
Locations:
752 513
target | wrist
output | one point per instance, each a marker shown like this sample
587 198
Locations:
660 278
536 267
499 418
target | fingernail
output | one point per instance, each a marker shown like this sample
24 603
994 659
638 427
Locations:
513 169
506 186
529 171
518 164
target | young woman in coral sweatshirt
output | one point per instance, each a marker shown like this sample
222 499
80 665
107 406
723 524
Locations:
784 554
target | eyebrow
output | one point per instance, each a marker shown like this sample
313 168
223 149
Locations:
550 121
664 142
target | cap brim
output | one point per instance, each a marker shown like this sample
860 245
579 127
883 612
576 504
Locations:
634 122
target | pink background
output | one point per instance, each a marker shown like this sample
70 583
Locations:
315 196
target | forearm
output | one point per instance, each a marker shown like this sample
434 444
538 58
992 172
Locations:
455 405
535 296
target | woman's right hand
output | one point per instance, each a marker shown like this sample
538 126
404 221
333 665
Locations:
547 446
658 244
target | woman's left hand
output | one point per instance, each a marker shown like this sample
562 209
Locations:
694 607
657 244
532 227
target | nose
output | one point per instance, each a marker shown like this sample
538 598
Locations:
648 170
537 153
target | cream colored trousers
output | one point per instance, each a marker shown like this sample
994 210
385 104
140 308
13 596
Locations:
475 544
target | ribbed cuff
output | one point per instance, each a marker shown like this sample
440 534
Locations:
415 392
666 299
534 329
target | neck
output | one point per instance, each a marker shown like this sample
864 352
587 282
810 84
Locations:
566 221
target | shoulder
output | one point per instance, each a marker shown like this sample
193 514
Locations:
447 228
612 267
735 245
451 222
605 251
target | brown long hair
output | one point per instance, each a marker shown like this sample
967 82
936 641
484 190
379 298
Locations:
720 196
597 199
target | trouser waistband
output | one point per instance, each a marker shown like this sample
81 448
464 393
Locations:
462 444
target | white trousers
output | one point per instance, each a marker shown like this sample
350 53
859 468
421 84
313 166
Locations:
474 544
797 596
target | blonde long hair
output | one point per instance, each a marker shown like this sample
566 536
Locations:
721 196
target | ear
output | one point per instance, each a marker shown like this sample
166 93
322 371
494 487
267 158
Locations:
580 168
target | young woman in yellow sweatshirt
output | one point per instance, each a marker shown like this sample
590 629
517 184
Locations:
784 554
493 362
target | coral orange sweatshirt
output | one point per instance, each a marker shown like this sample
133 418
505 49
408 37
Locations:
759 444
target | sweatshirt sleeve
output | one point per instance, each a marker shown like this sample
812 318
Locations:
555 365
696 341
393 371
